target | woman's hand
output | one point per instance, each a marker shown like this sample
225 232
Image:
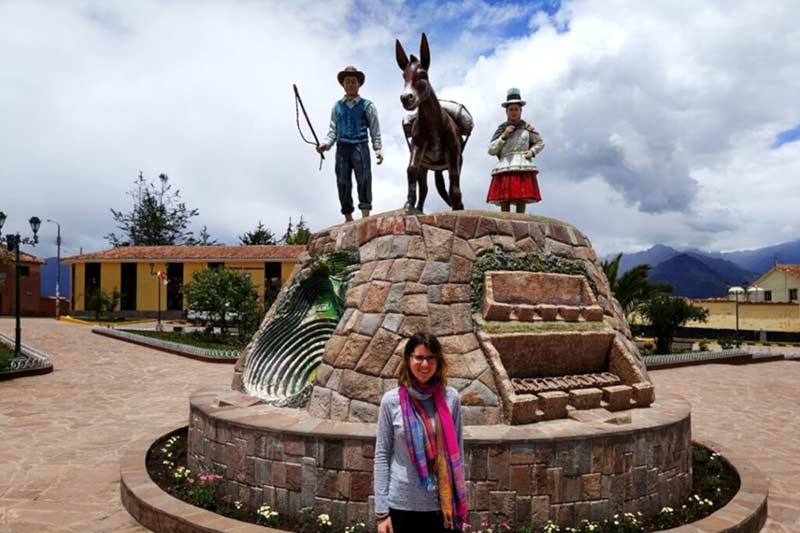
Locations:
529 154
385 525
509 131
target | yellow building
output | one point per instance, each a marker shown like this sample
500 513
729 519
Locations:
132 270
760 316
780 283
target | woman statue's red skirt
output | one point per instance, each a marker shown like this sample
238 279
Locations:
514 187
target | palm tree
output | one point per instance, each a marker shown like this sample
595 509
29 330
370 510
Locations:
633 287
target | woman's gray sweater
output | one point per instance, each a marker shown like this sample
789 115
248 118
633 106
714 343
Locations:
396 479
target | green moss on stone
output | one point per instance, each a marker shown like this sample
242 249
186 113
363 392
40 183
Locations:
496 326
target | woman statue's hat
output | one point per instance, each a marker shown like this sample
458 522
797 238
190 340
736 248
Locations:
513 97
351 71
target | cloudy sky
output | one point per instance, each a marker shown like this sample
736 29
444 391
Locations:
664 121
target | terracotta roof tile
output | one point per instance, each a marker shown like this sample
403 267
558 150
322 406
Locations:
5 255
191 253
792 270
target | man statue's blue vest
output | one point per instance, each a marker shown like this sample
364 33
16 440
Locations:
351 123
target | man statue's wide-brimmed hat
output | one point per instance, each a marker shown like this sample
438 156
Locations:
513 97
351 71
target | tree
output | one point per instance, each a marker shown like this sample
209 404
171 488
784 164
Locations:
666 314
204 239
226 296
299 235
633 287
302 234
102 302
260 235
289 233
157 217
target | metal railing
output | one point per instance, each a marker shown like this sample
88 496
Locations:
31 359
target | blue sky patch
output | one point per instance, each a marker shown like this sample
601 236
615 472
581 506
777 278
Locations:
786 137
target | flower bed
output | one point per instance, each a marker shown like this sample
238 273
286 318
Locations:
140 337
31 361
198 339
166 464
6 355
714 481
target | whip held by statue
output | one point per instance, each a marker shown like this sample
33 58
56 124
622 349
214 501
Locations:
298 106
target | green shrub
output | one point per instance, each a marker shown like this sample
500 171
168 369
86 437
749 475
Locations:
727 342
102 302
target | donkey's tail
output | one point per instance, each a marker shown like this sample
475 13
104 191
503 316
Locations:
439 178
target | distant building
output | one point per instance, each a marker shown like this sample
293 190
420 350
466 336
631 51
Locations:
132 271
29 283
780 283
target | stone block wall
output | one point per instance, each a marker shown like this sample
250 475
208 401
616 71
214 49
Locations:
415 274
288 460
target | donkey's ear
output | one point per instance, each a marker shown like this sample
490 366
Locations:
424 52
400 54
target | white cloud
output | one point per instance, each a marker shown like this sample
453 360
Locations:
657 117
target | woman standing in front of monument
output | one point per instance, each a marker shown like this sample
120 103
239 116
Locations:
515 143
419 450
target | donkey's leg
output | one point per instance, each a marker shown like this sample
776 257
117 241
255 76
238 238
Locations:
413 174
454 170
423 188
440 187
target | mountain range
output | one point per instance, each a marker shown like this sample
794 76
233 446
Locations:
49 273
698 274
692 273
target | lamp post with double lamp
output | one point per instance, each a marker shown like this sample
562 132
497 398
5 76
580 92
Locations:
13 243
737 291
757 292
161 277
58 264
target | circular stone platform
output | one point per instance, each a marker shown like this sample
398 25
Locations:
565 470
158 511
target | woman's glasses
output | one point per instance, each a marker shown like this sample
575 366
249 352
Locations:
419 359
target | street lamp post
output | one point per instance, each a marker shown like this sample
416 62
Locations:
737 291
58 276
160 277
14 242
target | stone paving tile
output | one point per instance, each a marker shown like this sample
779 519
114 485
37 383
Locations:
62 434
751 409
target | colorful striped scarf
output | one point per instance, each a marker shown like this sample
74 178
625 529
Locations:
433 446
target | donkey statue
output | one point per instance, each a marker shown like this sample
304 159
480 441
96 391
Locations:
435 132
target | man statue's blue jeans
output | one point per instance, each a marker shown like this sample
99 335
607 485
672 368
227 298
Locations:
353 158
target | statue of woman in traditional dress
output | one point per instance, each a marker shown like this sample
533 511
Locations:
515 143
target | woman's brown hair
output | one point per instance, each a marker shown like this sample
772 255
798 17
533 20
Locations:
428 340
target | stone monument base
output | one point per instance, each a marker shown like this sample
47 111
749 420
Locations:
590 465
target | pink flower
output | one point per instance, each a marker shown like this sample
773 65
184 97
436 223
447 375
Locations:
208 478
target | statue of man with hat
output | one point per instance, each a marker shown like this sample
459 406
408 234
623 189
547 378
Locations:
515 143
351 118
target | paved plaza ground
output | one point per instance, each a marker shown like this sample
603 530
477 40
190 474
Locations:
61 434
